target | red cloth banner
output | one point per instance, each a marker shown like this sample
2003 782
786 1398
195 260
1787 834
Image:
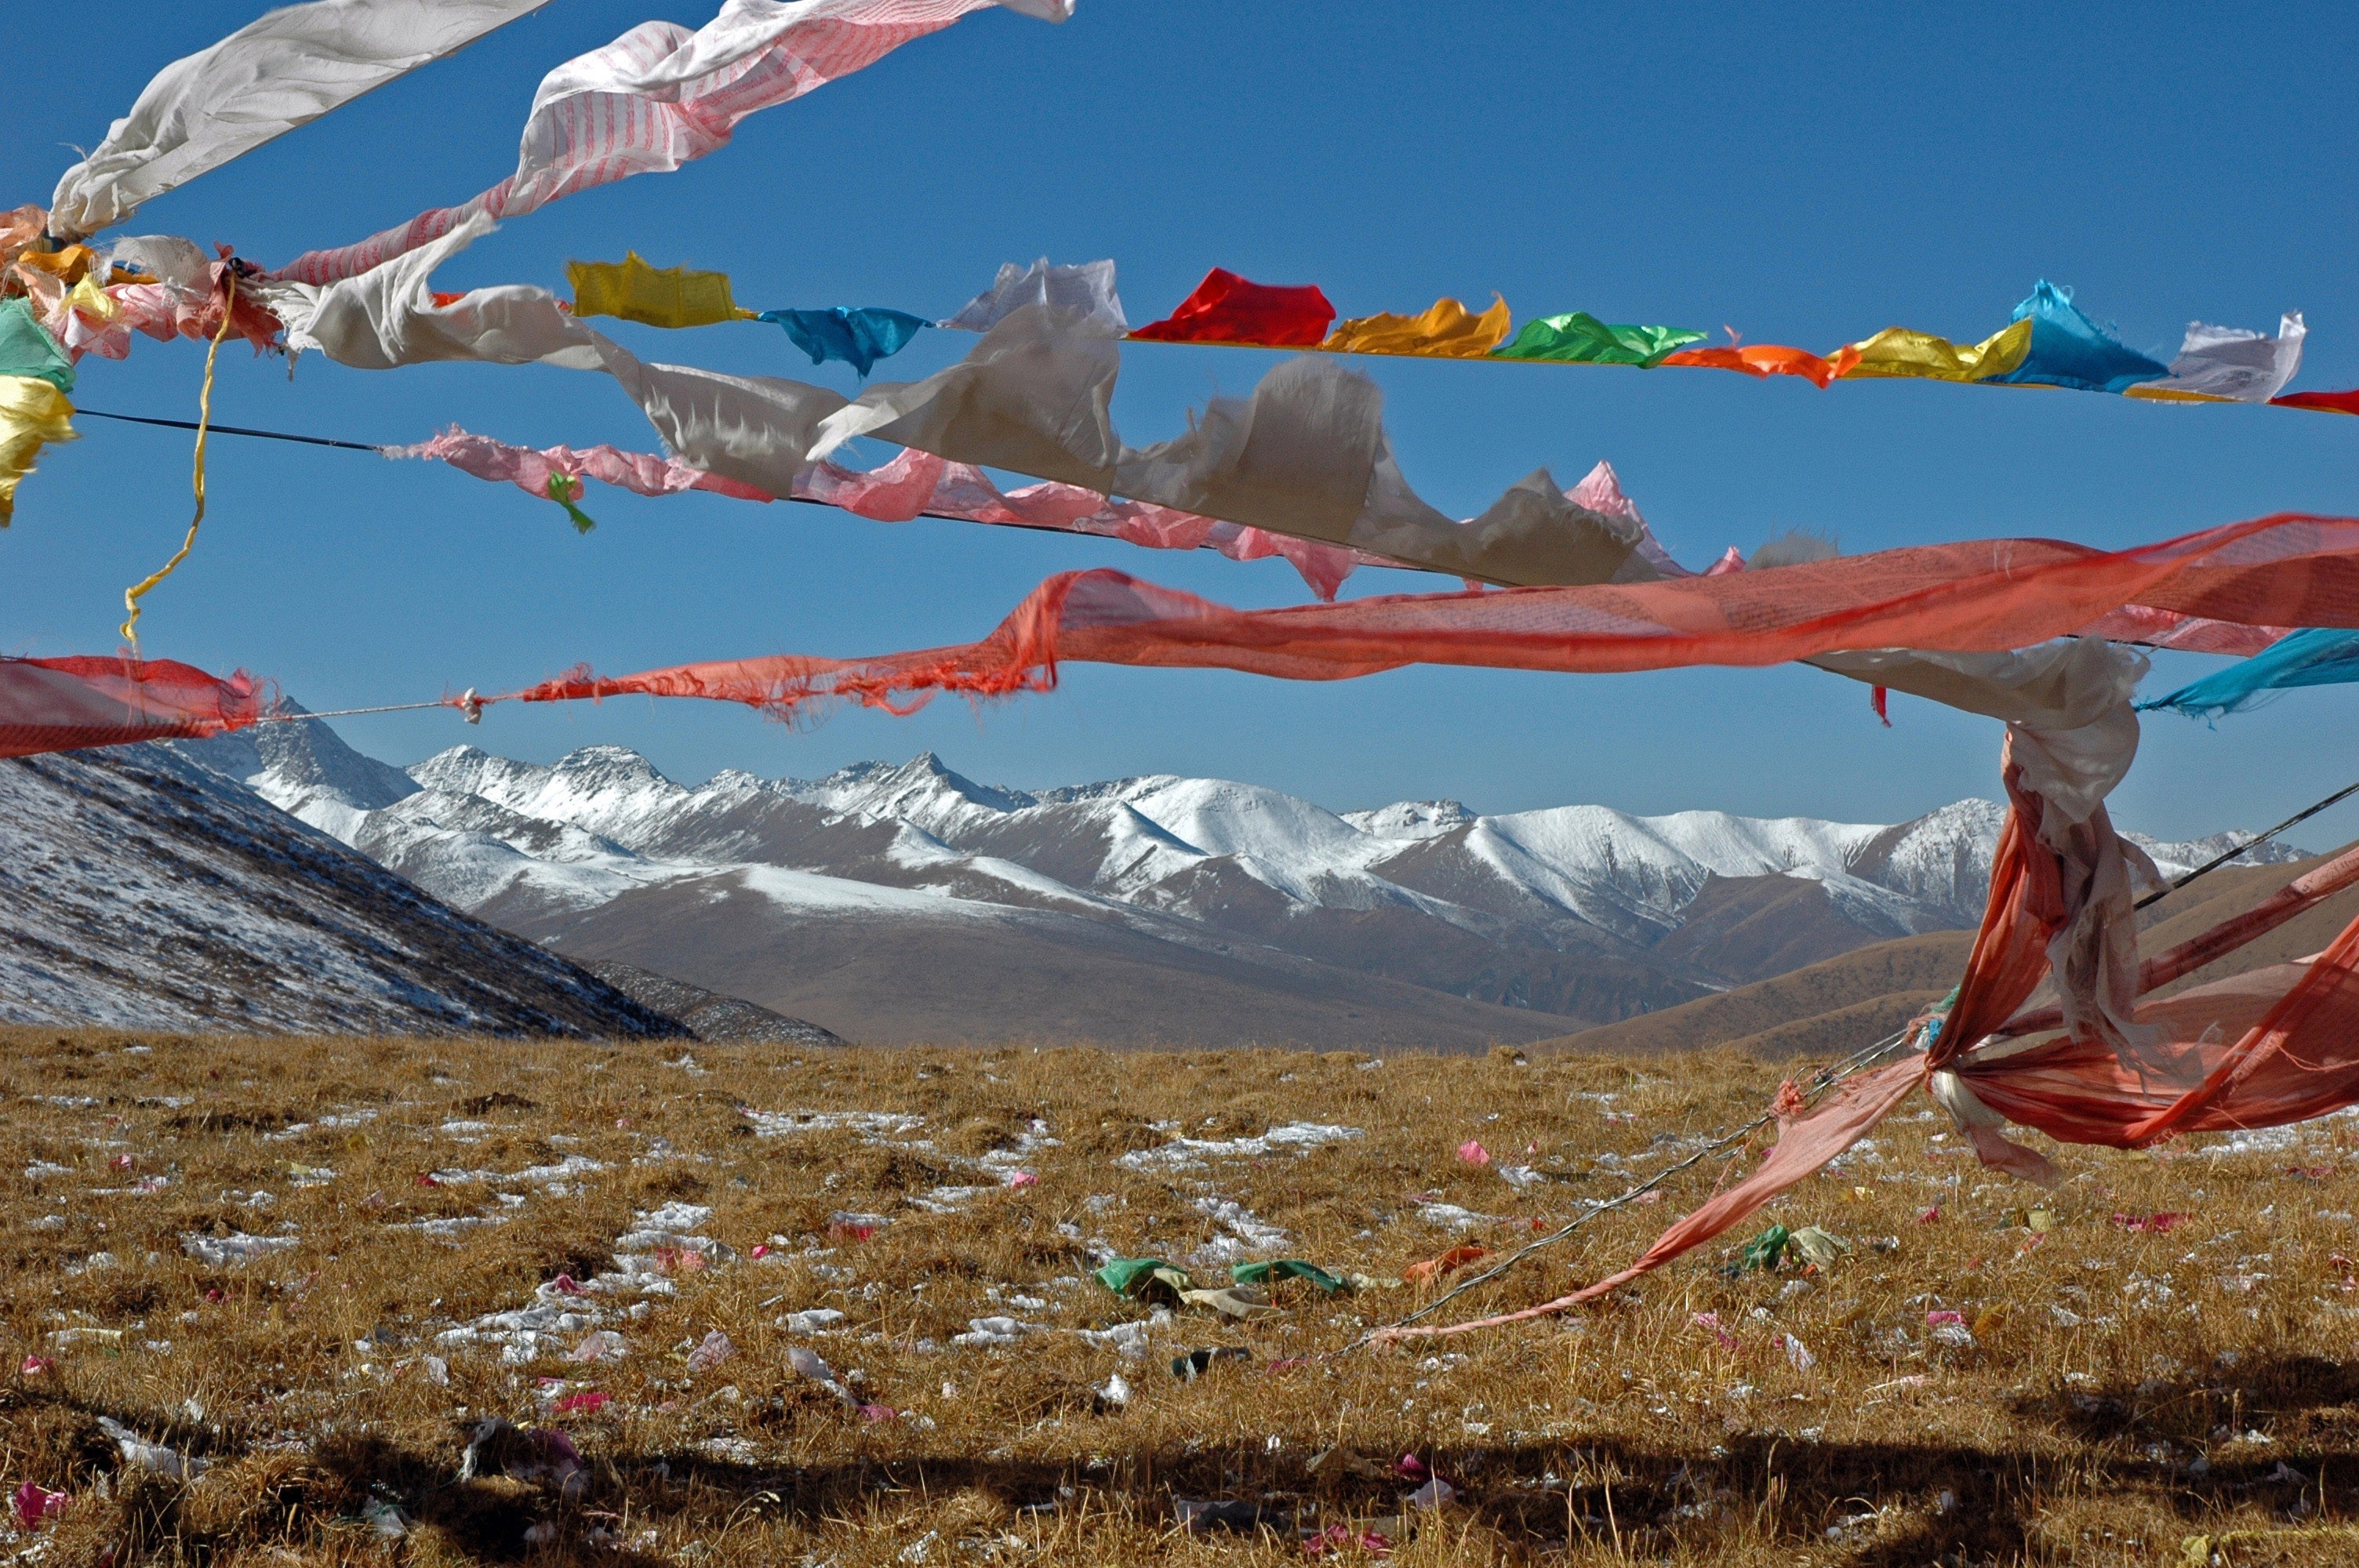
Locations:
65 705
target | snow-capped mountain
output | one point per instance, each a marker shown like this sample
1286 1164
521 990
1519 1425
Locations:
949 892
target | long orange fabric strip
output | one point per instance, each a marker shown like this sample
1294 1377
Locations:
2289 569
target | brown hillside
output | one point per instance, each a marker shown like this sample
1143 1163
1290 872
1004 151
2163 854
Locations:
1908 965
1844 1030
1740 929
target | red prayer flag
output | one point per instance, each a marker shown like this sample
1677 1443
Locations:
2331 402
1226 308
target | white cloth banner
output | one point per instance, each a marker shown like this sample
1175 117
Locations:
660 96
1087 289
2228 361
283 69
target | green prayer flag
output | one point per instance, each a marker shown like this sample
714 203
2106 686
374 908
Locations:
1582 338
27 349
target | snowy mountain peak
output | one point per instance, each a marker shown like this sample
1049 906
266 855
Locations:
921 791
1412 819
602 788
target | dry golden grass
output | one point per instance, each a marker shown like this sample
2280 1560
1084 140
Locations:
2124 1390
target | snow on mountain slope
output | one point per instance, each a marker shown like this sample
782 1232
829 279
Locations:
1563 909
140 891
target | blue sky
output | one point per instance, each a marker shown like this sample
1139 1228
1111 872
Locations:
1804 178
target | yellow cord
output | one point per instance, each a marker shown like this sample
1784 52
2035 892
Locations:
131 595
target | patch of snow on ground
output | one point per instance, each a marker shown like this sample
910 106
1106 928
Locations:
1189 1153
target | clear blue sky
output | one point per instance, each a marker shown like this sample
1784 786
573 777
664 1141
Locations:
1806 177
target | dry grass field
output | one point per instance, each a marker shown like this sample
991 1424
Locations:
352 1300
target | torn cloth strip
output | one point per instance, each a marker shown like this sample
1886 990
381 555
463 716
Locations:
1226 308
64 705
913 484
2293 1054
859 337
2050 899
2296 1056
283 69
661 96
2316 656
2305 893
1982 596
549 471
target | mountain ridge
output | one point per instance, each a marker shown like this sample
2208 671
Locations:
1306 921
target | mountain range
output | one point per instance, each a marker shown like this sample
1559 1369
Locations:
907 902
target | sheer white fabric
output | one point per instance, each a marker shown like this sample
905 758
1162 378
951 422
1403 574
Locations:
661 95
283 69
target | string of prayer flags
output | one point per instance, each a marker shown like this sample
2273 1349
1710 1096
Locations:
913 484
1979 596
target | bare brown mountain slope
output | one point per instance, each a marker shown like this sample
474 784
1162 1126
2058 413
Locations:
1827 1036
1740 929
1911 965
1013 975
1862 996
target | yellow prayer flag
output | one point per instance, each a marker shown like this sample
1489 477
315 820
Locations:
1897 352
660 297
32 413
1448 331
